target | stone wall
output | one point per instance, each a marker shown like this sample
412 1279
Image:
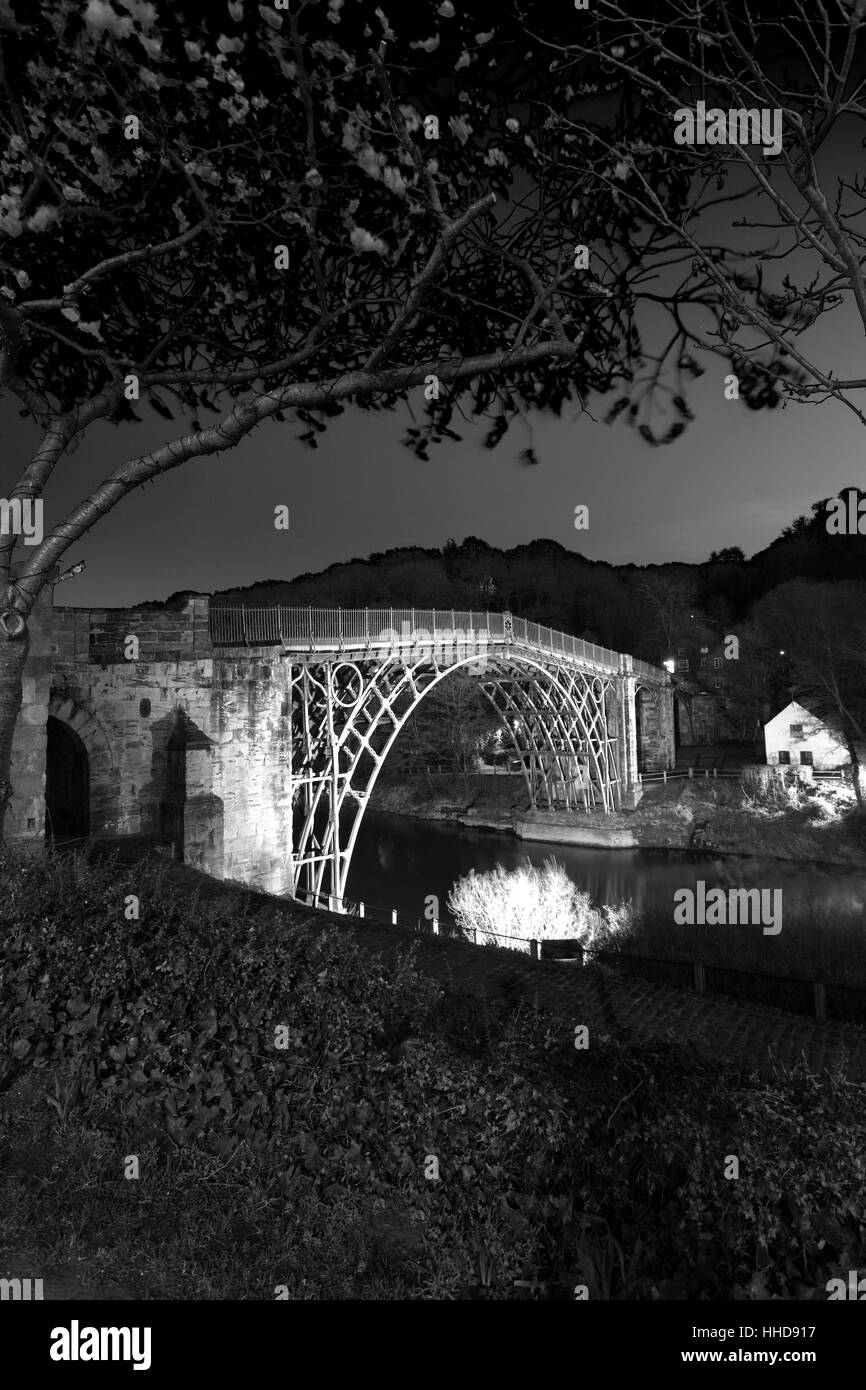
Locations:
657 742
195 740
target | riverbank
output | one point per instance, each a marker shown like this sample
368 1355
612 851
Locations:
300 1168
700 814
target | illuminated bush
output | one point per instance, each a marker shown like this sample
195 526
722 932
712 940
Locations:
529 903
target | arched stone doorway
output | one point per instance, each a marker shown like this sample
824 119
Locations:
67 784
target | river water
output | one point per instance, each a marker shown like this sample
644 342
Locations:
399 862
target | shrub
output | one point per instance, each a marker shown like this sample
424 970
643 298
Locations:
527 903
779 788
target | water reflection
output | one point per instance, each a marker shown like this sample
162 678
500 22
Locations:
399 862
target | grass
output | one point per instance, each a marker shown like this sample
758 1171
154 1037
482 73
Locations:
309 1169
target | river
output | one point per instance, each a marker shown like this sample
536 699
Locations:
400 862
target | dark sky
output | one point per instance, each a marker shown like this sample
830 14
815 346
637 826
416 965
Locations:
736 477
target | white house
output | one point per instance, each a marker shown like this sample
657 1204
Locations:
797 737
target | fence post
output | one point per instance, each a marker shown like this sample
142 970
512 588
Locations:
820 1001
664 776
474 936
715 772
435 926
691 774
360 909
533 949
699 977
393 917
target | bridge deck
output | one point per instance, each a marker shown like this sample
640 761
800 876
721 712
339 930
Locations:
384 629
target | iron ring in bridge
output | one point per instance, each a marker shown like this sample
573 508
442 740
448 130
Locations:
13 624
349 683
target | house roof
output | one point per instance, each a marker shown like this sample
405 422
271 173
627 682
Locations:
792 706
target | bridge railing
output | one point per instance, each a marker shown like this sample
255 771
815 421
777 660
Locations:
314 629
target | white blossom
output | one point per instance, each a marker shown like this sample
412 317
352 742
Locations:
362 240
100 17
41 218
459 126
393 179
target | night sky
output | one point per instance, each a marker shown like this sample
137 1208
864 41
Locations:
736 477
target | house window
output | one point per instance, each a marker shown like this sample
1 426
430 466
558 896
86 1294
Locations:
784 757
681 651
717 681
704 651
683 663
703 661
144 708
717 662
806 759
796 730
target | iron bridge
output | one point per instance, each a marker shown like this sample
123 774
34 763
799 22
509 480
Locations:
353 677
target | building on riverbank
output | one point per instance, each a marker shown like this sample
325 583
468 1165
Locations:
795 736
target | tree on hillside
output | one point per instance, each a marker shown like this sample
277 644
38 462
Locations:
746 242
275 208
728 555
668 603
822 628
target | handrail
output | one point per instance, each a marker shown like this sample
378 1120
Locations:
383 629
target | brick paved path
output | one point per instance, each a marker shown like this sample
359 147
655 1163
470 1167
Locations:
716 1029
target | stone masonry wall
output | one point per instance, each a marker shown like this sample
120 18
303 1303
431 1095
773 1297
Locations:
657 750
210 751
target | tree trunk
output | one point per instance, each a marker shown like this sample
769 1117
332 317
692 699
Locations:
13 655
855 775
